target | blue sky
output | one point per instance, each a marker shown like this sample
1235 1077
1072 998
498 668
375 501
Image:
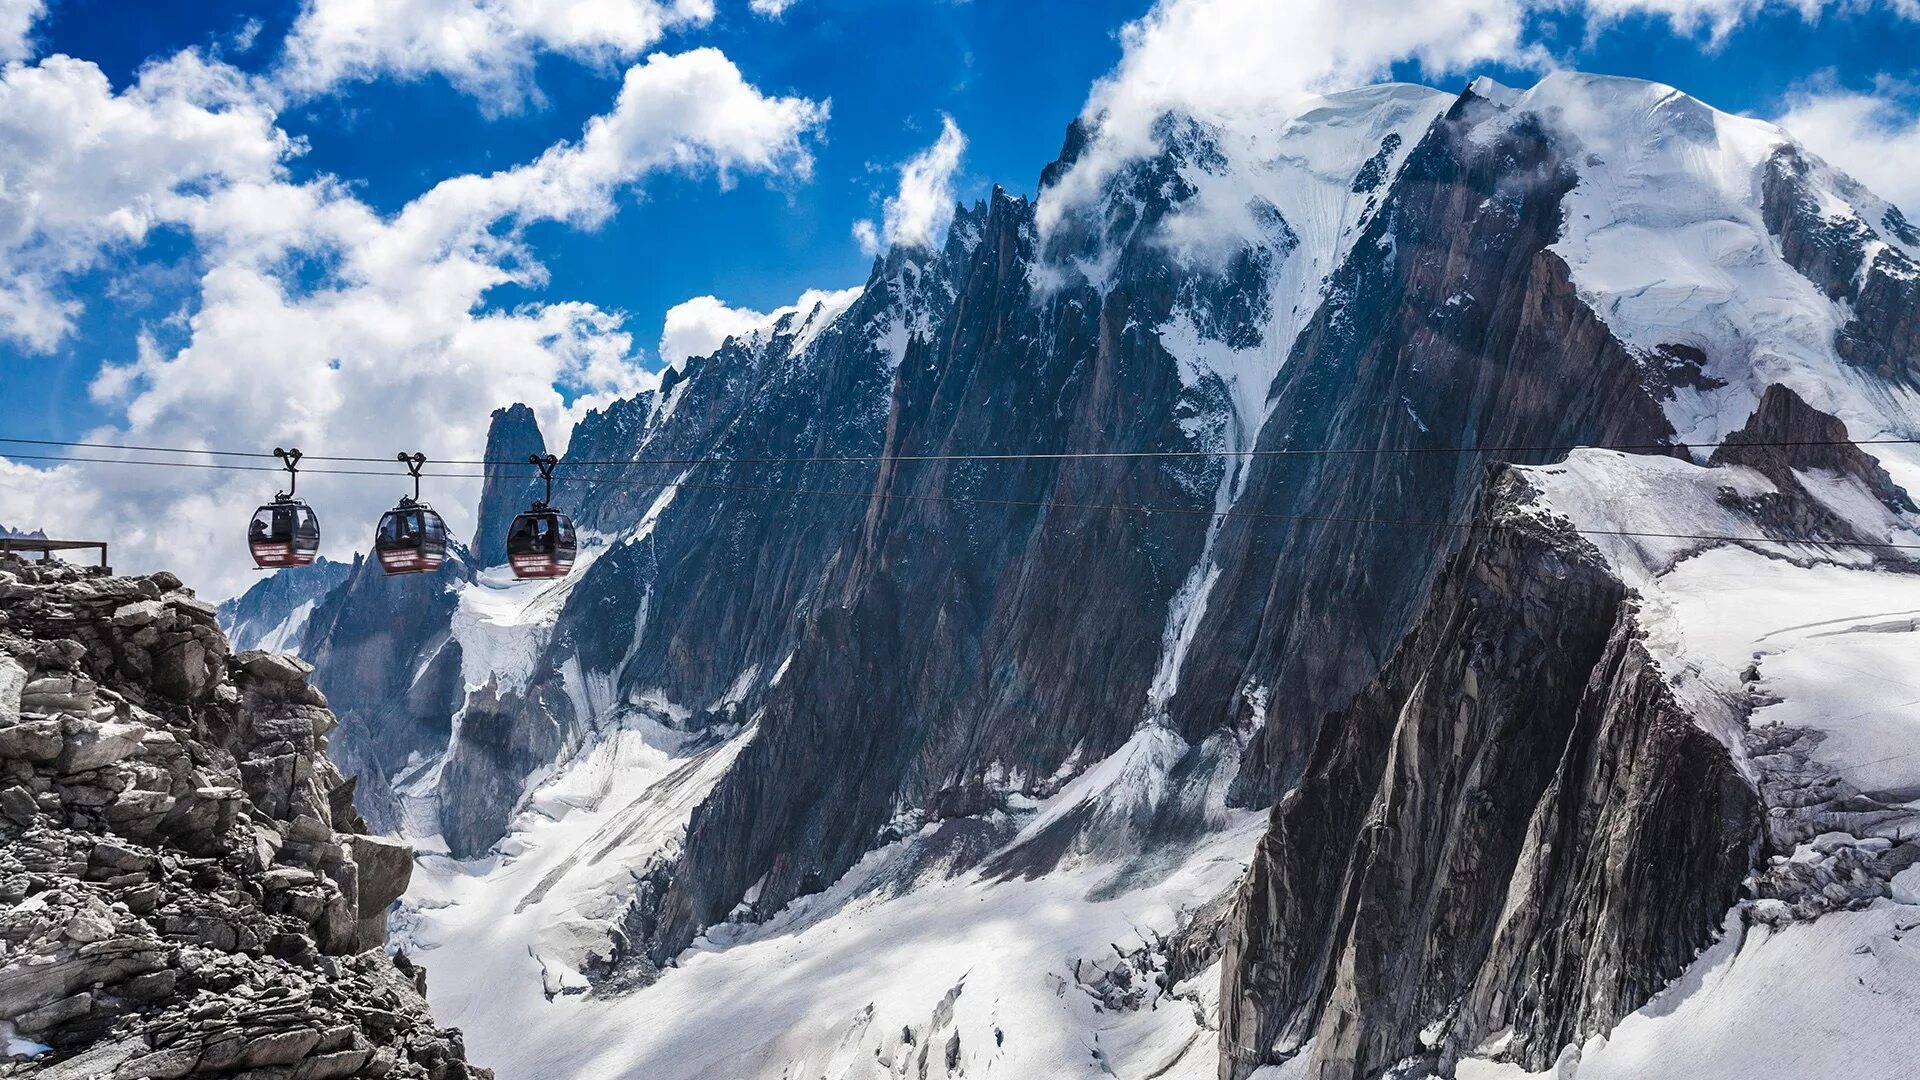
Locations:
242 223
1011 74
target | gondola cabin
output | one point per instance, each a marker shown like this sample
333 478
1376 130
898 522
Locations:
411 539
541 544
284 533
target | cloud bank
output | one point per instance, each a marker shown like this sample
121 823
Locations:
486 48
1873 137
322 322
917 215
16 27
699 326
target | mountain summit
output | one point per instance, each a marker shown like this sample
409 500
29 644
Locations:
1330 600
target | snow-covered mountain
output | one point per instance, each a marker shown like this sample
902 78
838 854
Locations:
273 613
1396 761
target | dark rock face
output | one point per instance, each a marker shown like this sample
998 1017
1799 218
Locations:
513 436
188 891
500 742
1879 282
1786 435
676 611
1450 865
1449 326
264 610
921 671
385 655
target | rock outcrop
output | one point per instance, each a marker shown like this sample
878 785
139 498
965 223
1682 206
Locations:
384 654
273 613
1514 829
512 437
188 889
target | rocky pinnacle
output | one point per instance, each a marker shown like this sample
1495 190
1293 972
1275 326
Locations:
187 889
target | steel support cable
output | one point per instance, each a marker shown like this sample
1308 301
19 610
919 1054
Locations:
1065 455
1182 511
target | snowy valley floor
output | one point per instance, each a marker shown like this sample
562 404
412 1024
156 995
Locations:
974 976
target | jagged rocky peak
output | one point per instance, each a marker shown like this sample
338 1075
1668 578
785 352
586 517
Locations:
273 613
511 484
1449 868
188 890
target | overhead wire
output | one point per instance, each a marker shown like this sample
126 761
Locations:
1062 455
1046 504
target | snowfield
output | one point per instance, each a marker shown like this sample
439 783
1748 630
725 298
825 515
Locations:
903 962
896 963
1832 998
1811 637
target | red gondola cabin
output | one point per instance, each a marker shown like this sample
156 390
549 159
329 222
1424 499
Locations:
284 533
541 544
411 539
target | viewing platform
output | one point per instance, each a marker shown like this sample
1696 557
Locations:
26 545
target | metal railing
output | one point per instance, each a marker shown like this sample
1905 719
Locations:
26 545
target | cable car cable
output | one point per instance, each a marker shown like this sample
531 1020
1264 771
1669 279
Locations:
1034 503
1065 455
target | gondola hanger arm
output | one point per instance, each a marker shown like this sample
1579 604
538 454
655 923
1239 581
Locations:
546 463
289 460
413 462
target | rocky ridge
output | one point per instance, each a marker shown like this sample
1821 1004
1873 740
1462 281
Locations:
1443 872
188 890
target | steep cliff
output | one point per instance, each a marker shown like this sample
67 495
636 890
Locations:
273 614
384 652
1514 830
188 889
509 487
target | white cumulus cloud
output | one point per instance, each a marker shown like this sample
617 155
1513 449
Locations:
16 27
88 171
698 326
392 345
919 213
701 325
1873 137
487 48
772 9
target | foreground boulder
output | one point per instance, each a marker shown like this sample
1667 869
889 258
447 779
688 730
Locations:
184 887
